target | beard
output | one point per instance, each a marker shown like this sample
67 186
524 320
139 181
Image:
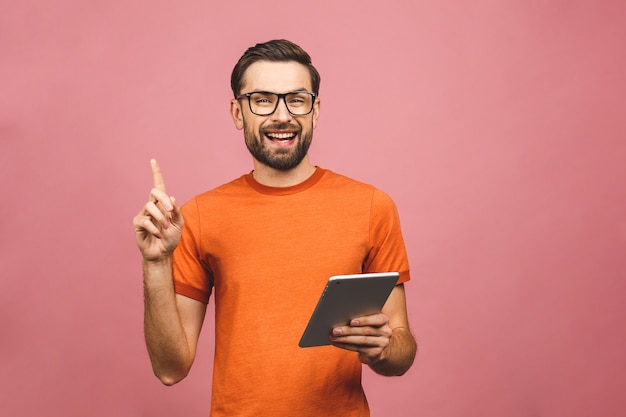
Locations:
279 159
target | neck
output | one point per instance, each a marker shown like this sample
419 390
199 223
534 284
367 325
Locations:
276 178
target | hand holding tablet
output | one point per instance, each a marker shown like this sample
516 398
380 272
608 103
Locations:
344 298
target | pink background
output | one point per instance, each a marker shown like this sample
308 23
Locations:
497 126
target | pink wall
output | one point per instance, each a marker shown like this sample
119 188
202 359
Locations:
497 126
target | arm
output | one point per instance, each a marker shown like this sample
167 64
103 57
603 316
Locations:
383 341
172 322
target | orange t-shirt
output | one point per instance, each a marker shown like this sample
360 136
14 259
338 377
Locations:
267 253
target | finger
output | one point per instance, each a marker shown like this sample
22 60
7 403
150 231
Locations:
374 320
159 196
345 346
361 348
177 216
367 331
157 176
355 342
149 226
145 224
153 211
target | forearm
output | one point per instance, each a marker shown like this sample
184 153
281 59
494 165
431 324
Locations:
166 341
398 356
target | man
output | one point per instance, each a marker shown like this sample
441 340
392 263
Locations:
266 243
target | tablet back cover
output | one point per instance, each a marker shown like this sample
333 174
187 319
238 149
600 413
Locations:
344 298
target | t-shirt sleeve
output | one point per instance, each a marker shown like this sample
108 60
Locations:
387 251
191 277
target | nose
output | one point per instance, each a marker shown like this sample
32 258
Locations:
281 114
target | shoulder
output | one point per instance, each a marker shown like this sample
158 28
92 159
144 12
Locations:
215 197
379 198
234 187
334 180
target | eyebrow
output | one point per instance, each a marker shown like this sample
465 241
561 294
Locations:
299 90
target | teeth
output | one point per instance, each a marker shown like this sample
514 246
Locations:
281 135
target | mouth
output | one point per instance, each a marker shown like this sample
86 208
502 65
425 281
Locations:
281 138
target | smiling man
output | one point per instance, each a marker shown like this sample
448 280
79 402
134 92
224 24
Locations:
278 116
264 246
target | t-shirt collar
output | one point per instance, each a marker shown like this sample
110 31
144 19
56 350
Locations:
305 185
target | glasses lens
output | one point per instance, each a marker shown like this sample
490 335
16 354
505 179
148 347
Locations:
299 103
264 104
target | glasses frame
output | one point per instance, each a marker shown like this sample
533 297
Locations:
280 96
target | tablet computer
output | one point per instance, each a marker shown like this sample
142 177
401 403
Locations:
346 297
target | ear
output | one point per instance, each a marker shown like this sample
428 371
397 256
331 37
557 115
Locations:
236 113
316 112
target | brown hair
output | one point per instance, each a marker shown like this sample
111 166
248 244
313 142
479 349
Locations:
278 50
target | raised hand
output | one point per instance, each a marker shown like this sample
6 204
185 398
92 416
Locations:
159 224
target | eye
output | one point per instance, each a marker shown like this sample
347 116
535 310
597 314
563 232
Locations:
298 99
263 99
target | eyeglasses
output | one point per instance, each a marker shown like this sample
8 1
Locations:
264 103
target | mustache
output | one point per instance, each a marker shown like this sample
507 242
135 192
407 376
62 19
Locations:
281 126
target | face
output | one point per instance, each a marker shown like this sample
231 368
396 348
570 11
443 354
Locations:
280 140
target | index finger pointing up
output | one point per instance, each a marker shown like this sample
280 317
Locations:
157 176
